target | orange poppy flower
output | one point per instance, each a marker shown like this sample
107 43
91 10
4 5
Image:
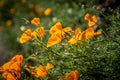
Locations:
35 21
54 39
17 58
47 12
49 66
40 71
39 32
89 33
8 76
73 40
15 61
73 75
88 17
26 36
82 37
57 27
43 70
95 19
57 34
66 32
92 20
11 69
15 66
76 37
78 32
91 23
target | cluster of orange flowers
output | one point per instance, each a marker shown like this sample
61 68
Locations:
40 71
58 33
82 36
92 20
11 69
29 34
